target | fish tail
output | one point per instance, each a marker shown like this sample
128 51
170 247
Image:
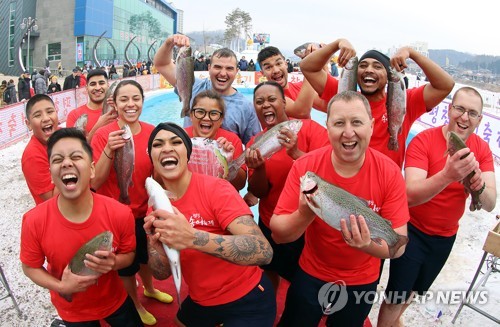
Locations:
402 240
124 198
393 144
67 297
185 109
475 204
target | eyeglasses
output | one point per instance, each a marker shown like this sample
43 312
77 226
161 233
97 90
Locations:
473 114
213 115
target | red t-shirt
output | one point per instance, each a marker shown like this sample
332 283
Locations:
293 90
440 215
210 204
143 167
47 235
415 107
311 136
93 117
35 166
326 255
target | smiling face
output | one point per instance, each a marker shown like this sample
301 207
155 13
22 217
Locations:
97 86
275 69
349 130
169 156
222 71
42 120
269 106
71 168
372 77
209 125
463 124
129 103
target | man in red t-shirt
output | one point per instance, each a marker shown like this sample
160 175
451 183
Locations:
41 119
437 200
300 96
221 246
348 259
97 85
54 231
373 72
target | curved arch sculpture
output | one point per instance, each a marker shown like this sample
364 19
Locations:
97 62
126 51
149 50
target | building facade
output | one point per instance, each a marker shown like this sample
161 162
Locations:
68 30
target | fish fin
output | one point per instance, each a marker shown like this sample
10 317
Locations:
402 240
388 222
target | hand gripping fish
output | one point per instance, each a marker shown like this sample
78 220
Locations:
158 199
396 107
267 143
349 76
455 143
331 204
101 242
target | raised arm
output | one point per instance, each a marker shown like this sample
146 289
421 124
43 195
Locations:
312 65
164 60
421 189
440 82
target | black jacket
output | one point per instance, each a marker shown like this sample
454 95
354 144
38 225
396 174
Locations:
71 82
23 87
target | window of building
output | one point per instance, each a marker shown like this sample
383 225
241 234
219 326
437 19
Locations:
12 20
54 51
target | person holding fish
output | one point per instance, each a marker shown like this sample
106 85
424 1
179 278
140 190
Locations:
97 87
83 289
240 117
438 187
42 120
267 176
122 166
207 115
341 246
393 111
221 245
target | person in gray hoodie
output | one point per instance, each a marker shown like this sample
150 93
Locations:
40 83
11 88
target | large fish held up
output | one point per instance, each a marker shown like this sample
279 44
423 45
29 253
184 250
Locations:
455 143
331 204
300 51
101 242
124 165
158 199
267 143
349 76
185 78
209 158
396 106
109 93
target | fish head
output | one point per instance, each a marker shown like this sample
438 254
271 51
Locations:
128 132
300 51
106 241
454 143
308 183
394 75
294 125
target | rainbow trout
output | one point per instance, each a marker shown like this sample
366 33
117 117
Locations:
109 93
185 78
331 204
300 51
158 199
455 143
396 107
267 143
124 165
101 242
81 123
349 76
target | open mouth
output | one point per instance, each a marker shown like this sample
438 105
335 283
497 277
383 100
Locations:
269 117
69 179
369 81
349 145
462 126
48 129
169 162
205 127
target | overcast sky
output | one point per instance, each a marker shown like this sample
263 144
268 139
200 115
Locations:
471 27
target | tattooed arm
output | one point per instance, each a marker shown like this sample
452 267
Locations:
245 246
157 258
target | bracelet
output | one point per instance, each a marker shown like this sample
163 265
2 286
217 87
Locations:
482 189
104 151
